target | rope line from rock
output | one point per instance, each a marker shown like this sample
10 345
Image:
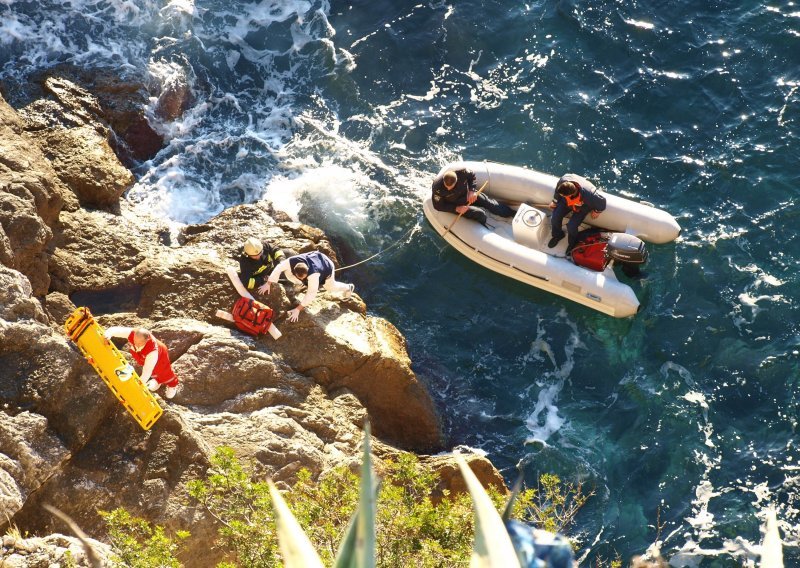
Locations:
405 237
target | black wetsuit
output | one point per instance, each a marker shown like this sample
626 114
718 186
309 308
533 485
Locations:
253 272
448 199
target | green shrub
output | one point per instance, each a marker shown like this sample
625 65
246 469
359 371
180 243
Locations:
556 503
411 529
242 507
137 544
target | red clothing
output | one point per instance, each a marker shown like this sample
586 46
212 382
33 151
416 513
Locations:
162 373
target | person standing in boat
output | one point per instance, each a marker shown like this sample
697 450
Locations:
577 195
315 270
455 191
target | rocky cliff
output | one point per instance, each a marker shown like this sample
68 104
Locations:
67 239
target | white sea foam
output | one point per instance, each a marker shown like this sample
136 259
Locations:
750 301
641 24
762 277
334 187
682 371
262 144
702 527
12 29
180 9
224 149
705 426
545 420
338 184
191 203
465 449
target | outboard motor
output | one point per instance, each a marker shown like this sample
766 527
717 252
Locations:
628 251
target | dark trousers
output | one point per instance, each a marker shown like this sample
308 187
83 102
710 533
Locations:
476 213
559 213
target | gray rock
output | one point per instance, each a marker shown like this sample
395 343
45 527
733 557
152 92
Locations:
53 550
31 198
299 402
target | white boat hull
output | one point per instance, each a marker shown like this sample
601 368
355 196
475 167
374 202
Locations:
517 247
621 215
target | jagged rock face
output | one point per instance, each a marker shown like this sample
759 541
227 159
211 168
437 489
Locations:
238 392
121 103
450 477
35 440
85 162
29 456
122 466
299 402
16 301
96 250
75 139
53 550
334 342
39 370
367 356
257 220
58 307
31 197
25 171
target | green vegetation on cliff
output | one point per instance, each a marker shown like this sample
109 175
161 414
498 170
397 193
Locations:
137 544
411 527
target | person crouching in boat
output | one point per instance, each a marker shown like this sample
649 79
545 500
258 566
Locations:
315 270
455 192
577 195
151 354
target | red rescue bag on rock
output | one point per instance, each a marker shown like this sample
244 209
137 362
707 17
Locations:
251 316
591 253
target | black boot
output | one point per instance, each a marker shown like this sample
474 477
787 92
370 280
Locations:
554 241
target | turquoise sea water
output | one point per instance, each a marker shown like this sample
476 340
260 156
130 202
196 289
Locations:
341 112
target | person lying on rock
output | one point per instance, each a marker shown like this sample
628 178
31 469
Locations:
151 354
255 263
315 270
456 192
577 195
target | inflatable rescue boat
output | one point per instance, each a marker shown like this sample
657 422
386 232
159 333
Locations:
517 246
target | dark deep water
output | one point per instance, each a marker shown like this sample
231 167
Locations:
341 112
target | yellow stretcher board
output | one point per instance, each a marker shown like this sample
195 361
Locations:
110 364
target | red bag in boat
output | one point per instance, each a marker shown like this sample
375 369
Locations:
251 316
591 253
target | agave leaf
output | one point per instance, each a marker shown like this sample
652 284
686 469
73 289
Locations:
296 548
357 550
345 556
513 497
492 547
366 513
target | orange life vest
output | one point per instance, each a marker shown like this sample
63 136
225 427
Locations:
575 203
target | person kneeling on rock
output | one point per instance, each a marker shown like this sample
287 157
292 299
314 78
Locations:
151 354
257 259
314 269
